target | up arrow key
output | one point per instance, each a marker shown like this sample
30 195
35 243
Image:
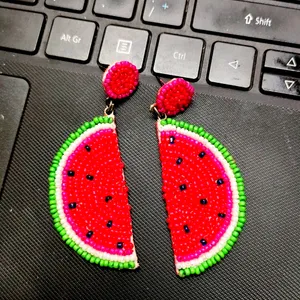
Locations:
289 83
292 63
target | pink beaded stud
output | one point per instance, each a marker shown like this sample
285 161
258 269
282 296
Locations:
120 80
174 97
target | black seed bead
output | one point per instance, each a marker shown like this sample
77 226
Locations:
72 205
203 242
89 234
109 223
186 229
108 198
87 148
203 201
89 177
222 215
71 173
182 187
202 154
179 161
172 139
119 245
220 181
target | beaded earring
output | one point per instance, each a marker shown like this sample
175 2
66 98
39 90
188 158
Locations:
87 190
202 186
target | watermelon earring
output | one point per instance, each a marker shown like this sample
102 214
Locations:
202 185
88 193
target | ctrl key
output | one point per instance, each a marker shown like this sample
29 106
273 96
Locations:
280 84
71 39
178 56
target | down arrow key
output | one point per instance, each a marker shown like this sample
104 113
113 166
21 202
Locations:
279 84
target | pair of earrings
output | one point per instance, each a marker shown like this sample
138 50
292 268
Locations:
202 185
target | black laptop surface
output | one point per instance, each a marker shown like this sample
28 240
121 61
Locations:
243 59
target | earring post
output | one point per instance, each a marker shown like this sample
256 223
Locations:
160 81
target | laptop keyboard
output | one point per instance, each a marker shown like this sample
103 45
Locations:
230 65
194 39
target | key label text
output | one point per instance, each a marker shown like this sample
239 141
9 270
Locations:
165 6
70 39
259 21
289 83
249 19
234 64
124 47
292 63
179 56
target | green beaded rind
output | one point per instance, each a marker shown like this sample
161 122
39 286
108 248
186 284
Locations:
241 192
53 204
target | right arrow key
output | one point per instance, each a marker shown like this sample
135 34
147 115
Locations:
279 84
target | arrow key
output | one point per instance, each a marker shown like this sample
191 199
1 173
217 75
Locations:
232 65
282 61
278 84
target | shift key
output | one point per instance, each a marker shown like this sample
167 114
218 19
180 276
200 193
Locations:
251 20
20 30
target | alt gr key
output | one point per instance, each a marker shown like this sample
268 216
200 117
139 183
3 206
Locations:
71 39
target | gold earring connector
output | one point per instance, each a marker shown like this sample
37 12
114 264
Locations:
155 111
109 109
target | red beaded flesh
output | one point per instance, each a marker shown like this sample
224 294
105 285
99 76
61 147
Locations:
120 80
174 97
91 196
202 190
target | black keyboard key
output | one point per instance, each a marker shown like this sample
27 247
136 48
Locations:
122 9
13 94
252 20
280 84
164 12
20 30
22 1
74 5
232 65
121 43
178 56
71 39
282 61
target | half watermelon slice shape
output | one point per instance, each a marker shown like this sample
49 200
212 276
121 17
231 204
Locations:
89 198
204 193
